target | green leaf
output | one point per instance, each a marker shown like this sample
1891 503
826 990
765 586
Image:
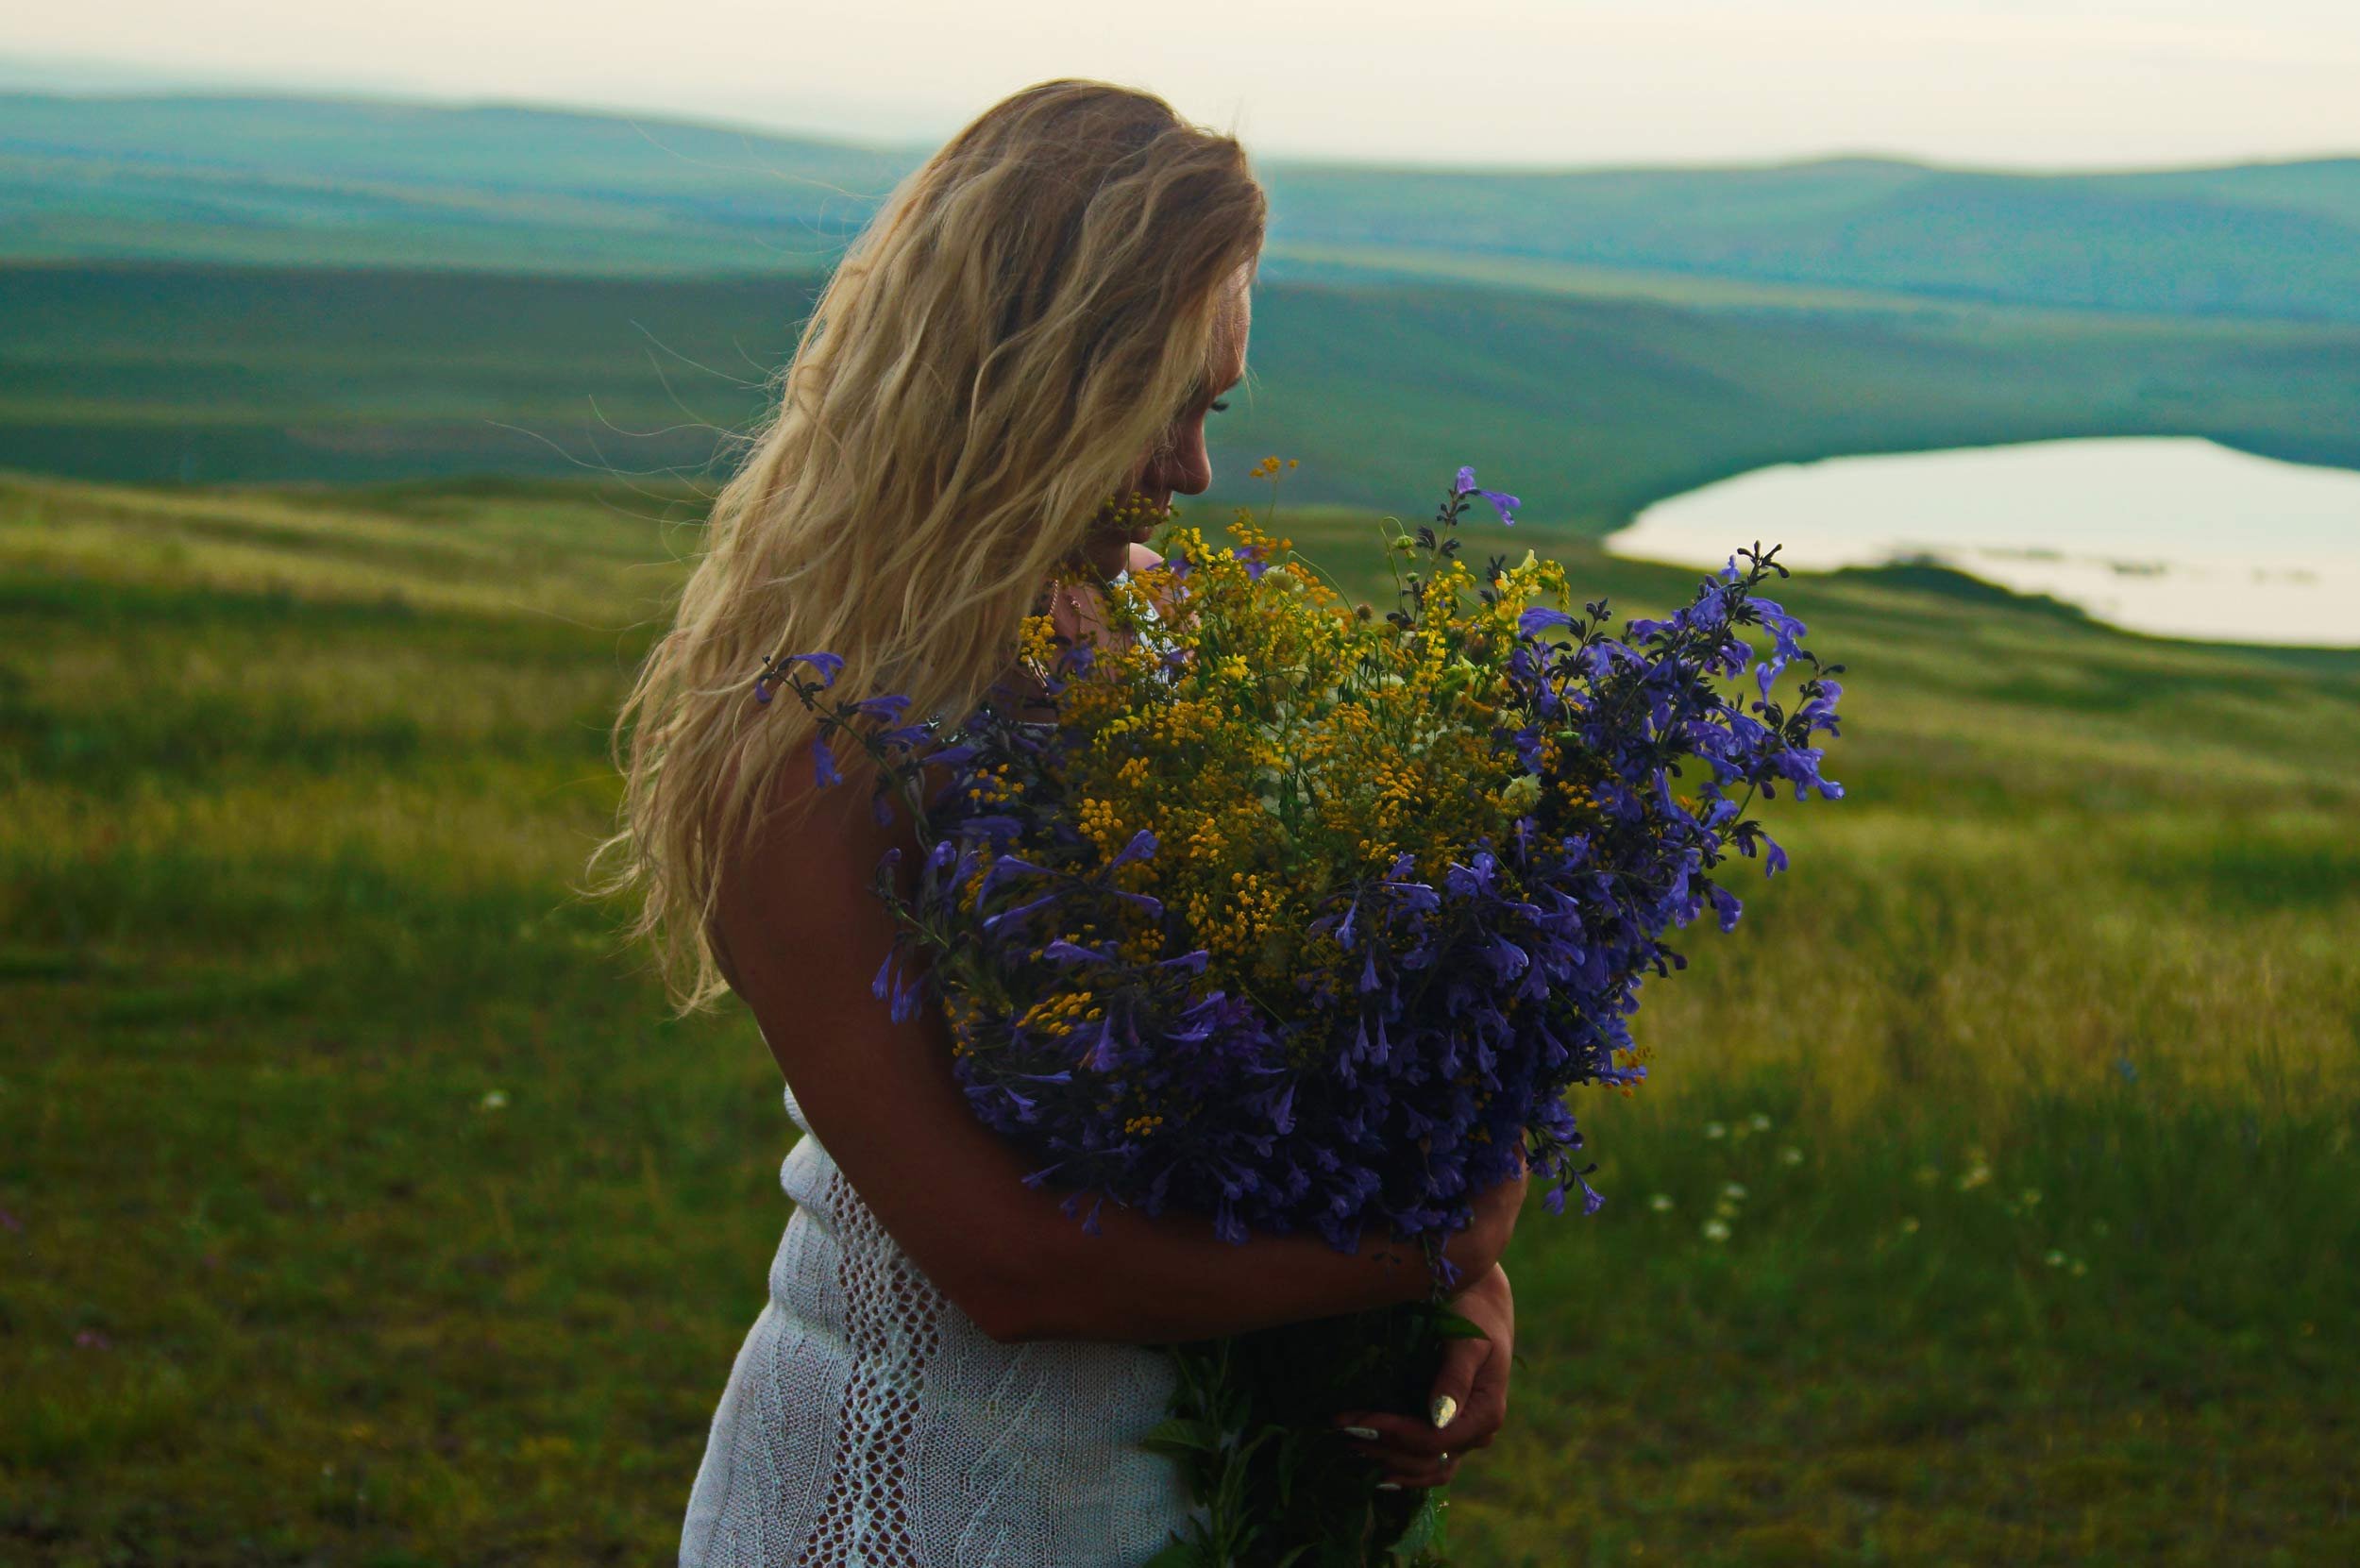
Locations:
1180 1554
1425 1527
1450 1326
1179 1437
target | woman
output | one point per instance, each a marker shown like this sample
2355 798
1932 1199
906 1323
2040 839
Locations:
949 1370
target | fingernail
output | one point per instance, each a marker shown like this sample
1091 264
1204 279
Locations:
1389 1486
1445 1409
1366 1434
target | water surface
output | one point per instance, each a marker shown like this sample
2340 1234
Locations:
2170 535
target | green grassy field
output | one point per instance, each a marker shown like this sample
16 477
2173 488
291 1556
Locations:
1588 404
360 1204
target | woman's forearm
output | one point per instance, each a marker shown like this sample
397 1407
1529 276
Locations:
1169 1278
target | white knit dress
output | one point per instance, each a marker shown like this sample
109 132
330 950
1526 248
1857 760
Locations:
869 1422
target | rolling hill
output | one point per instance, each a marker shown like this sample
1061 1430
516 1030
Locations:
357 182
1588 407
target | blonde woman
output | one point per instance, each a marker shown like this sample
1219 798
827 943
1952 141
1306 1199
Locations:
949 1370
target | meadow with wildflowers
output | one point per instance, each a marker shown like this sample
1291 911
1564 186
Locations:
1991 1199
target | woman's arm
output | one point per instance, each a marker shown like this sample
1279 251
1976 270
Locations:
801 933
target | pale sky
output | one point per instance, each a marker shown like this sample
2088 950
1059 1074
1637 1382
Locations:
2002 83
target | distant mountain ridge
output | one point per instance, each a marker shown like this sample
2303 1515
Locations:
2275 240
361 183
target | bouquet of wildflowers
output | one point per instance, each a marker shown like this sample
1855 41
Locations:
1307 918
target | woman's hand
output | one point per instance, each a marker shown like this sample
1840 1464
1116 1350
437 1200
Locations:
1469 1400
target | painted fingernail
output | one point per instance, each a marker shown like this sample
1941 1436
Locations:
1366 1434
1445 1410
1389 1486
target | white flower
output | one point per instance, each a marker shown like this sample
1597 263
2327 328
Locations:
1790 1156
1714 1129
1716 1230
1660 1203
1733 1189
494 1101
1758 1123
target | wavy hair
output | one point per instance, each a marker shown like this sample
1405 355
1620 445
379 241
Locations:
1026 315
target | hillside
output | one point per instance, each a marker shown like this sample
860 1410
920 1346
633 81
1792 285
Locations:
351 182
1589 408
2282 241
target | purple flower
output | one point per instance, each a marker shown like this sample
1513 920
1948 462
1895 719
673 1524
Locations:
829 665
1502 502
1538 619
1063 951
1142 847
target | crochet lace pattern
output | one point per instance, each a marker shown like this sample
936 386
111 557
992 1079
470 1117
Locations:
868 1421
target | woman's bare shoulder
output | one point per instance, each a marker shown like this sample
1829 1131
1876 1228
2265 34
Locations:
806 867
1141 558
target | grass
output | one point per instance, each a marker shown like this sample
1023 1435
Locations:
1588 403
359 1203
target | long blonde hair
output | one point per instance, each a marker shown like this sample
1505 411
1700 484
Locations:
1024 316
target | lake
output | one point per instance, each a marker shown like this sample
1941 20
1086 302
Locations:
2173 536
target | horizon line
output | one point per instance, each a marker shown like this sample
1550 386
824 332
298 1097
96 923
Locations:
920 147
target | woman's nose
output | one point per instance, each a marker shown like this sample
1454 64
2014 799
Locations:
1186 469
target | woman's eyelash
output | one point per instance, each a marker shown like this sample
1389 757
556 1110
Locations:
1219 406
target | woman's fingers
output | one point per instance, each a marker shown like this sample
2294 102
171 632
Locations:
1401 1437
1406 1467
1485 1410
1422 1477
1454 1380
1410 1452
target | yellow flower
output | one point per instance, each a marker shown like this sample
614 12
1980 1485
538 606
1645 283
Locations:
1292 744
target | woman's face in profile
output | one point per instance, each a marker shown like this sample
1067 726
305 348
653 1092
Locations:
1183 467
